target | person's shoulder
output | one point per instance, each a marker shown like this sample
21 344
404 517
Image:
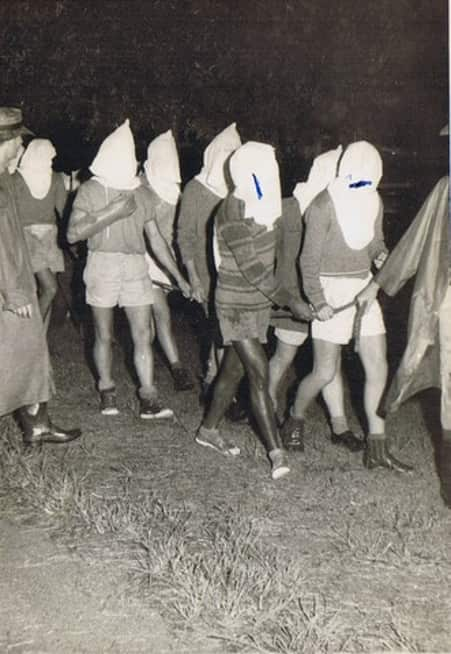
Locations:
90 190
291 217
322 201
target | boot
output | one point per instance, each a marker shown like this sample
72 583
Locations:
444 470
377 456
39 429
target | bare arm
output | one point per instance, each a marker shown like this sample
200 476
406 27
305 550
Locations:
84 224
163 252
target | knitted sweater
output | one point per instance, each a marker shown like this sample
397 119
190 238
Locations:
326 253
246 273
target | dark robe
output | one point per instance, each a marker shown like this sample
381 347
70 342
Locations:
424 250
24 360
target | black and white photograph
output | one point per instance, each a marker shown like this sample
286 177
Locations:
225 327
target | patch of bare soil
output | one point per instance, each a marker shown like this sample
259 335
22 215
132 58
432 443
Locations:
373 546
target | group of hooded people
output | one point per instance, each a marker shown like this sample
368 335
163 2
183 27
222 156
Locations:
303 265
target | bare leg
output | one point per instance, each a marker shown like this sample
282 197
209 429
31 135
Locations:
103 326
373 353
47 292
255 363
225 386
325 366
163 326
139 319
279 364
374 359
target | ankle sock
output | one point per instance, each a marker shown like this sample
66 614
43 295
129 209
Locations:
339 425
377 437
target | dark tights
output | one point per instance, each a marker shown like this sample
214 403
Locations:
245 357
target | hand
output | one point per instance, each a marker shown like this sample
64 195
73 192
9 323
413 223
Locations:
185 288
380 260
301 310
25 311
368 295
325 313
123 205
197 292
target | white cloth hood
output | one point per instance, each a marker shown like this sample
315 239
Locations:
322 173
162 167
255 174
36 167
115 164
212 175
354 193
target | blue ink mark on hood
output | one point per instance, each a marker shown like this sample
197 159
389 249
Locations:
360 183
257 187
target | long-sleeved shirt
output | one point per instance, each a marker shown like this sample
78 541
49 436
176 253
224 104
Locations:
326 253
194 229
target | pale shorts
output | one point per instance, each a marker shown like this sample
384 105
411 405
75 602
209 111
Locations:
43 248
338 291
290 336
116 279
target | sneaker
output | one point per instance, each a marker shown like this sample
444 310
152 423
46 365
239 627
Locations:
182 379
151 409
212 438
279 464
108 405
292 433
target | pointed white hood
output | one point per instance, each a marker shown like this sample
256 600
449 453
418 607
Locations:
162 167
36 167
354 193
215 155
255 174
115 164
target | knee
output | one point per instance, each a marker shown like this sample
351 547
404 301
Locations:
142 336
259 377
50 289
324 374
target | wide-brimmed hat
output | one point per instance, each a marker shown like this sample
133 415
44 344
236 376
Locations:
11 124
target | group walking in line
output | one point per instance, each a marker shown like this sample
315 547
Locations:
308 265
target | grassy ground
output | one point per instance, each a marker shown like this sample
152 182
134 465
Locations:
330 559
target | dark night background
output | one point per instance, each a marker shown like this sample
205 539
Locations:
300 74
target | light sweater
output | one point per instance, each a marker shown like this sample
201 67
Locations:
326 253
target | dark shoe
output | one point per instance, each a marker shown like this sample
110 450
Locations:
152 409
444 470
377 456
349 440
292 433
39 429
236 412
183 380
108 404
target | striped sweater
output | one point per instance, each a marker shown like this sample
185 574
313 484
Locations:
247 256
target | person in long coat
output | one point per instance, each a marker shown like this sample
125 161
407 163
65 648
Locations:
26 381
424 250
